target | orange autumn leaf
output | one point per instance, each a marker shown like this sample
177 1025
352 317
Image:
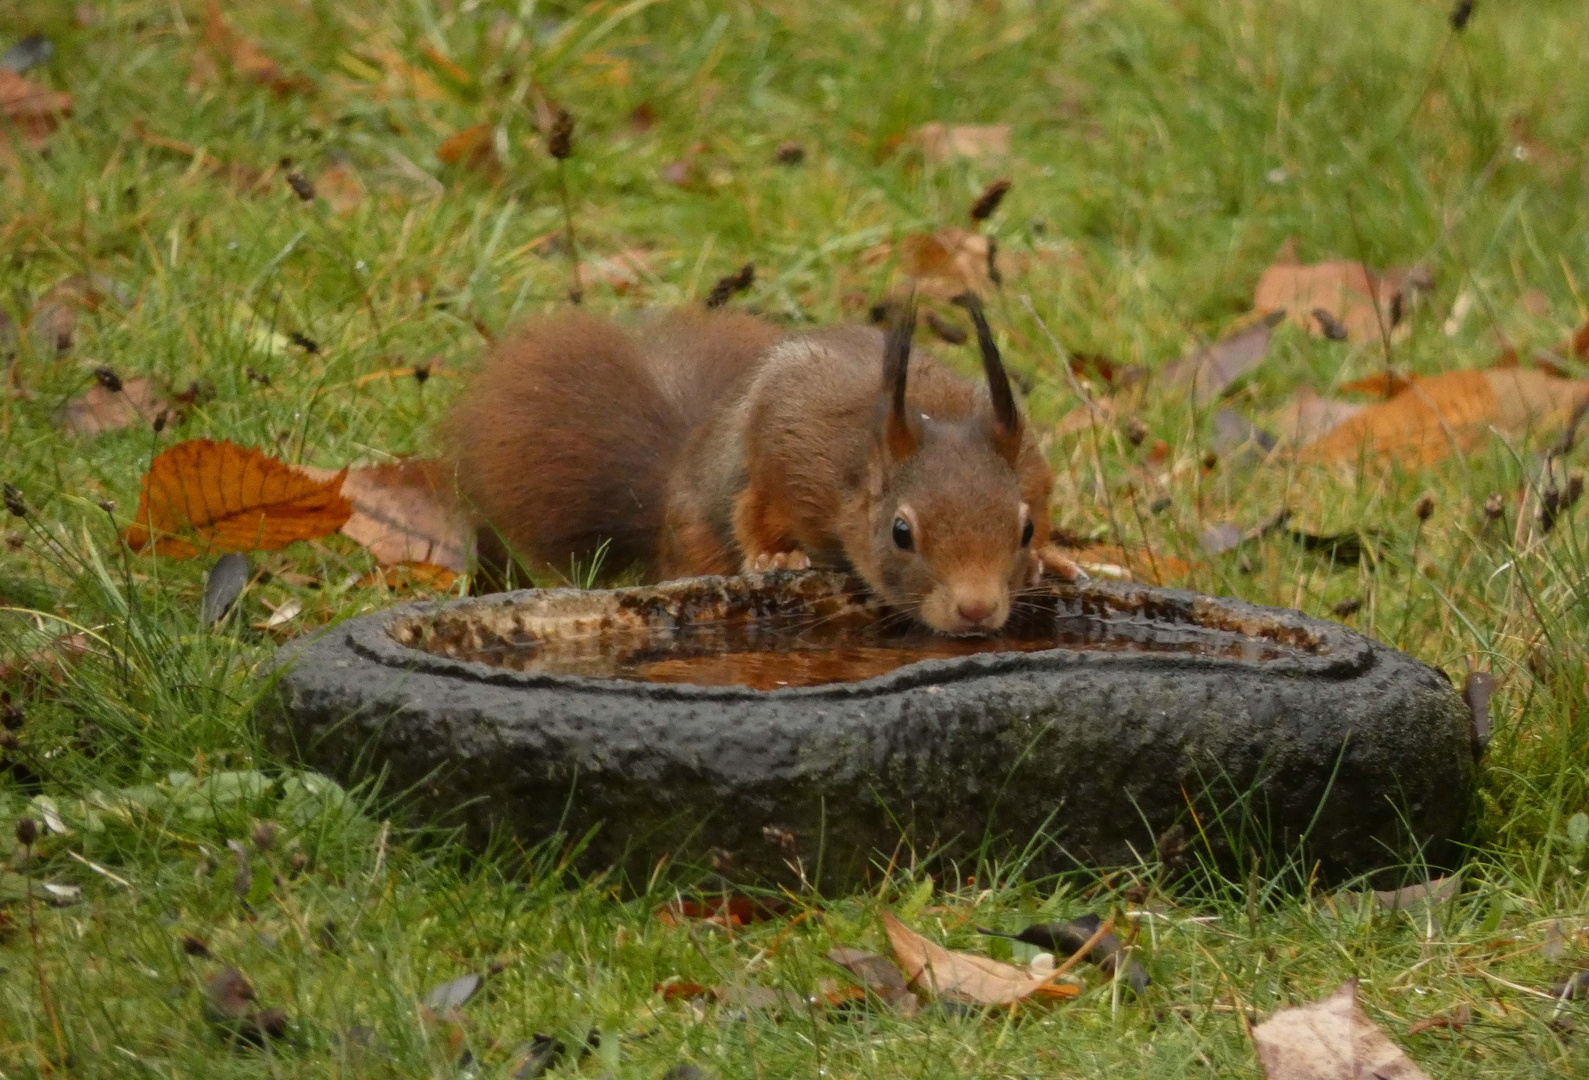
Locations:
1451 413
231 498
1386 384
948 262
473 147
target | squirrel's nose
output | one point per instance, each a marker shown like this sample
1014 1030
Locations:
976 612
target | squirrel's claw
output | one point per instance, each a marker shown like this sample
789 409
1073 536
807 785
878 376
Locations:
1049 560
764 561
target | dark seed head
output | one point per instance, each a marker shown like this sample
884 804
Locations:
9 740
27 831
12 717
108 378
160 419
560 140
789 153
108 505
264 836
737 282
14 501
194 946
301 186
989 200
421 373
1425 507
1460 14
1494 507
1574 490
1136 431
1349 606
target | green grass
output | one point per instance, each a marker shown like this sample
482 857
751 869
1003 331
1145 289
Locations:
1162 154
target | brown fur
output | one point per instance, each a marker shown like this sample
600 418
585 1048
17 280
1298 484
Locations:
704 445
567 437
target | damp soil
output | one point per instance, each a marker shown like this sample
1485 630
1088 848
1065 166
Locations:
785 650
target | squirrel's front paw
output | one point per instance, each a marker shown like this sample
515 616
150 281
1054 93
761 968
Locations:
1050 561
777 560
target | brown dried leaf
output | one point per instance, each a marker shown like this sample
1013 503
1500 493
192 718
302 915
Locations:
1452 412
247 60
1307 417
1209 371
947 263
473 148
51 660
340 187
1346 291
406 513
411 577
1331 1039
965 975
29 109
1432 893
231 498
1459 1017
879 975
53 320
942 143
140 400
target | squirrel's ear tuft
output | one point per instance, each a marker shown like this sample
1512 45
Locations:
901 432
1006 418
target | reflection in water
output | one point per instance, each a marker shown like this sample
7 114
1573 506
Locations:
787 651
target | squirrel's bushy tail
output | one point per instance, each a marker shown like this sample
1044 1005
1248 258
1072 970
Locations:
566 439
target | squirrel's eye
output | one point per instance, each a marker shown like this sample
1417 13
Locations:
902 538
1026 534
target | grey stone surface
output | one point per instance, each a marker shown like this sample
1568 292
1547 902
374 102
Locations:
1348 750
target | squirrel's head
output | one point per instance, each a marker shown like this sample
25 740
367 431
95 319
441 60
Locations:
951 532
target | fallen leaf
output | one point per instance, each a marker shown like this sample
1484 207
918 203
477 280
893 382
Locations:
31 52
53 320
879 975
721 910
1208 372
1307 417
1451 412
340 187
1353 296
1068 938
948 262
452 995
1129 564
942 143
1385 384
281 615
473 147
229 994
680 990
51 660
225 581
1428 893
1457 1018
967 976
231 498
1331 1039
406 513
411 577
30 110
622 271
99 409
246 59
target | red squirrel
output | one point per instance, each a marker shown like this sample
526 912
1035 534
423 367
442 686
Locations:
710 443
